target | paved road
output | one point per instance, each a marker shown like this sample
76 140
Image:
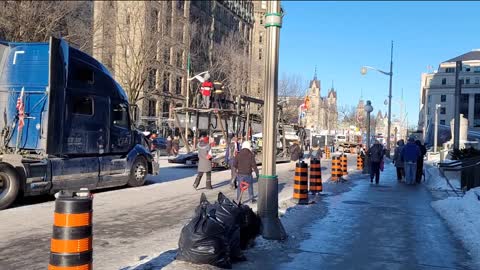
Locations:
129 224
387 226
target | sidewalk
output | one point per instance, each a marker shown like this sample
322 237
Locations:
385 226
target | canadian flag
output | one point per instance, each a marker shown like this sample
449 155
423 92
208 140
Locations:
21 110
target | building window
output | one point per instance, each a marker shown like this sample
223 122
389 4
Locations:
166 82
152 108
477 80
260 54
442 122
444 81
261 21
178 86
165 109
464 105
152 79
476 69
166 55
450 70
443 98
155 20
476 111
443 110
260 38
467 81
467 69
180 6
179 59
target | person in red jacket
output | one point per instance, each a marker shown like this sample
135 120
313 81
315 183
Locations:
206 90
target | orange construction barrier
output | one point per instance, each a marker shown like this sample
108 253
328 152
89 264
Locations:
300 187
71 243
327 152
344 164
359 162
315 176
336 169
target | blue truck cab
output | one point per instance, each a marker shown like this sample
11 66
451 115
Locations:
76 130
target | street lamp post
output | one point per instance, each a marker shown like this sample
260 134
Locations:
272 227
435 135
368 109
390 74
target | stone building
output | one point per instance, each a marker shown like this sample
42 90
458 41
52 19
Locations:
258 49
322 113
438 87
147 44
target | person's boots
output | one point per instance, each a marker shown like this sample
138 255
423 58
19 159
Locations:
209 181
197 182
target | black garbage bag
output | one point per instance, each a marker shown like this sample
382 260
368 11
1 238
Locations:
204 239
249 226
230 215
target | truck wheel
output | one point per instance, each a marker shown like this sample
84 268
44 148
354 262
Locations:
138 173
9 185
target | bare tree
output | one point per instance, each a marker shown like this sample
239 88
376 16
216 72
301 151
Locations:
36 21
291 94
348 115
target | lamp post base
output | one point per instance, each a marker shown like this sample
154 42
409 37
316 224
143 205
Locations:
272 228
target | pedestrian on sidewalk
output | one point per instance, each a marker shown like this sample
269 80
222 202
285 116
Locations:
398 161
411 153
169 146
175 145
231 154
423 152
315 152
204 162
375 154
295 154
245 164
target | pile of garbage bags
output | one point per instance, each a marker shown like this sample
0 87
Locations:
218 233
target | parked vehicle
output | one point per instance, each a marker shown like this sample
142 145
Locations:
77 131
159 145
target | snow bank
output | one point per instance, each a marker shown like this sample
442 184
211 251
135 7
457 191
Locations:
434 180
463 216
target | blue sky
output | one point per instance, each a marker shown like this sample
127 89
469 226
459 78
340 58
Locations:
340 37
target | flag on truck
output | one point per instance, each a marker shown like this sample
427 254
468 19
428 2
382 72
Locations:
21 110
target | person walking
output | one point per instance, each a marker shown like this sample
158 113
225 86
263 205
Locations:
245 164
315 152
204 162
411 153
169 146
295 153
398 161
175 145
423 152
376 157
231 154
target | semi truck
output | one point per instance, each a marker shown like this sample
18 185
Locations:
65 124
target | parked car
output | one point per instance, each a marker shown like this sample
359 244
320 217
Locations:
187 159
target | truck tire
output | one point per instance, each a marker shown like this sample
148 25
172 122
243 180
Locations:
138 172
9 185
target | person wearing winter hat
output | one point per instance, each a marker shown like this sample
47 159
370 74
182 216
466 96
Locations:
204 162
244 164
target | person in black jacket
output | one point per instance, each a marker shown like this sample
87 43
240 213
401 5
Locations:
376 153
295 154
423 152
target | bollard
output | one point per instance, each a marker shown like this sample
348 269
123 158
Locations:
359 162
315 176
336 169
344 164
71 243
300 187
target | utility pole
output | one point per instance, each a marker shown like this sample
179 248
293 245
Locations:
390 102
458 90
187 100
272 227
435 135
368 109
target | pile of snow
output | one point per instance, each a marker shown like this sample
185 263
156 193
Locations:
434 180
463 216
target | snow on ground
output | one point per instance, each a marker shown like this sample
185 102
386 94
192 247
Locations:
463 216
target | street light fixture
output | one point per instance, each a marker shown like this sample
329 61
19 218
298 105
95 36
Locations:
368 109
363 71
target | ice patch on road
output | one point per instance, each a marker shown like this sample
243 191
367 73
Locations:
463 216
